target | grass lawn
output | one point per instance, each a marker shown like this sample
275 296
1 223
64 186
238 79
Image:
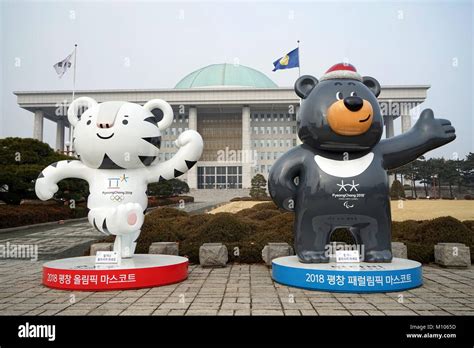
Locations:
405 210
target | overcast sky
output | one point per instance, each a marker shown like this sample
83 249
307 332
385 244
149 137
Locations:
133 45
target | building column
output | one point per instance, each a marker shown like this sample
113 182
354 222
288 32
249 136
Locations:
38 125
389 131
297 111
406 122
60 135
246 148
192 124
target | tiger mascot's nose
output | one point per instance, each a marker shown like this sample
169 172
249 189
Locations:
107 114
104 125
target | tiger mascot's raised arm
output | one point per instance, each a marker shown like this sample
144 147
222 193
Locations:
117 146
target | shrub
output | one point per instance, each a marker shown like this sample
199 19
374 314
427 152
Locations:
397 191
404 230
469 224
26 214
251 229
162 201
259 187
167 188
238 199
443 229
165 212
21 161
421 236
262 215
160 189
263 206
222 227
420 252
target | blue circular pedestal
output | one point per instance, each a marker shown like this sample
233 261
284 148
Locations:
400 274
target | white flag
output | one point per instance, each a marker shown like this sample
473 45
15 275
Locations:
62 66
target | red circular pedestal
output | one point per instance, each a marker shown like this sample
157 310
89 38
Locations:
140 271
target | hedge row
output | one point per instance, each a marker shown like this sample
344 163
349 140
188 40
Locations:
251 229
162 201
239 199
29 214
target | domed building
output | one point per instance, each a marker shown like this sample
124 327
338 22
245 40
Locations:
225 75
246 120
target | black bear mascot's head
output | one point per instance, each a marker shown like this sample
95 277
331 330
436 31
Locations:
339 113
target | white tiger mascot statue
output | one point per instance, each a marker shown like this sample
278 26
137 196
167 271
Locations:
117 144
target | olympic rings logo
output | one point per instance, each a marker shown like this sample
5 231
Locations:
117 197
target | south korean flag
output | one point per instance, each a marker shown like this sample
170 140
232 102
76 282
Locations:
62 66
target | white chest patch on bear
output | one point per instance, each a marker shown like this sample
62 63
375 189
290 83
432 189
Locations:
344 169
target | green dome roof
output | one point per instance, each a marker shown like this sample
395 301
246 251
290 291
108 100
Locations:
226 75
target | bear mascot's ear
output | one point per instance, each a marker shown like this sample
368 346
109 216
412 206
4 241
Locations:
162 111
371 84
72 112
304 85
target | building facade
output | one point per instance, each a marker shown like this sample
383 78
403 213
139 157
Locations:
245 119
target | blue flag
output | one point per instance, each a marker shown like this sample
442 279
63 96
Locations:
290 60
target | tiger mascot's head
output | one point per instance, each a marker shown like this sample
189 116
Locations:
116 134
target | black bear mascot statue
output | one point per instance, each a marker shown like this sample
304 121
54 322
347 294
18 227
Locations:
338 177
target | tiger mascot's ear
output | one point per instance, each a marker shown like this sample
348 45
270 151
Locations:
162 111
72 111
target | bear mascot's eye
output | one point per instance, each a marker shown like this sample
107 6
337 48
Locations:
339 96
353 94
89 122
124 122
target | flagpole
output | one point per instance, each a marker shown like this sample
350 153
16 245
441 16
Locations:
299 63
71 128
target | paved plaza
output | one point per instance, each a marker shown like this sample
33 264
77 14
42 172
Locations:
234 290
237 289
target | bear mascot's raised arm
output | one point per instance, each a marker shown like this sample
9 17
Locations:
341 167
117 146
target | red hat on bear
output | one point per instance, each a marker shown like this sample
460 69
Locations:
341 71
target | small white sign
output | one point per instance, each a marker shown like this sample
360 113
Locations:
347 256
106 257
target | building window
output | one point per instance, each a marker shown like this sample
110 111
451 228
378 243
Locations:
219 177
